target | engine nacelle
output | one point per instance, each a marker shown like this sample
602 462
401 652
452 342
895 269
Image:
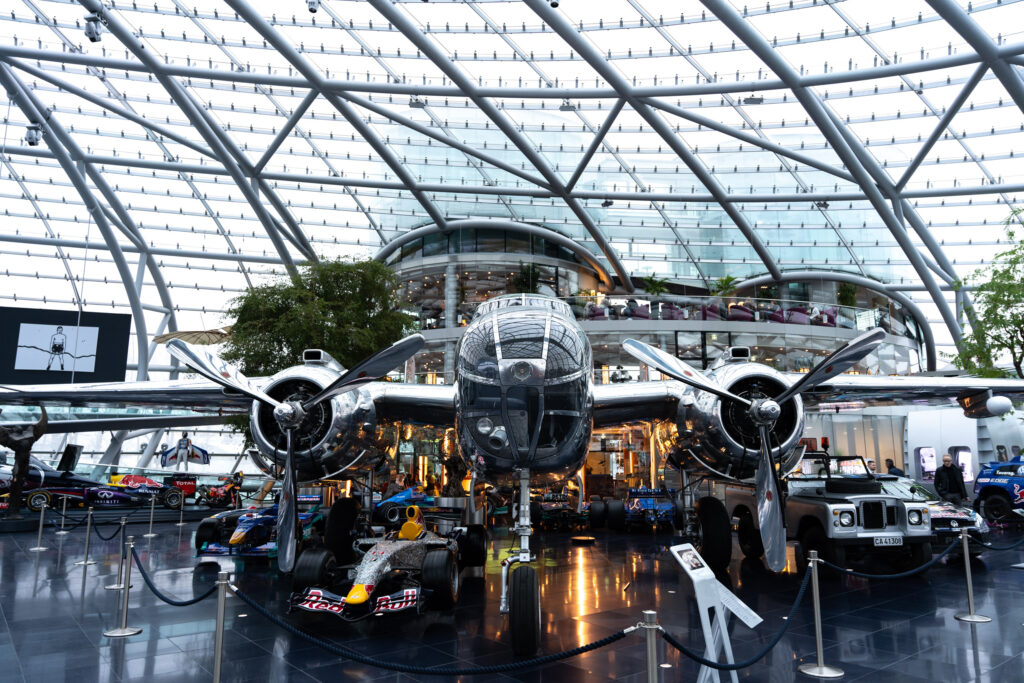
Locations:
337 438
716 434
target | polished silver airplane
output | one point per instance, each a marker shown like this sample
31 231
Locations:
524 405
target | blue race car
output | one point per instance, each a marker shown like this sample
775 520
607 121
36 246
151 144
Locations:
643 506
392 510
999 489
250 532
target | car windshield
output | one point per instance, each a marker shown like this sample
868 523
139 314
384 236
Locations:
812 468
908 490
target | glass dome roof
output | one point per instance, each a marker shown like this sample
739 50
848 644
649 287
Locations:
195 149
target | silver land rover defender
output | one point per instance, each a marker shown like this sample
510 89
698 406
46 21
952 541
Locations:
834 505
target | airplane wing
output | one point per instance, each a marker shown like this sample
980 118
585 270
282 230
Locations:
432 404
616 404
917 390
189 394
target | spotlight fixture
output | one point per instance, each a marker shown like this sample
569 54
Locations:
606 203
753 99
33 134
93 27
313 5
417 103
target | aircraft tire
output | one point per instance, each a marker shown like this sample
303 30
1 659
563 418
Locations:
313 568
338 529
715 533
36 500
524 611
616 515
474 546
749 537
598 514
208 531
440 574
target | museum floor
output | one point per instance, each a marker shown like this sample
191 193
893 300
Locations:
53 617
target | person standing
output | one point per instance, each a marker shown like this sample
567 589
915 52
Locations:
949 482
890 468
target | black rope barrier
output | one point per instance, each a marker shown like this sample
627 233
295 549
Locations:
436 671
980 542
77 522
900 575
157 593
668 638
111 536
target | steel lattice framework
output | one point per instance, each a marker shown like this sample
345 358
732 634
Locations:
211 146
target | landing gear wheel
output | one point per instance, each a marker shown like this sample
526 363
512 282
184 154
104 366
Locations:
473 551
749 537
598 514
173 498
208 531
338 530
524 611
37 499
440 573
616 515
313 568
715 544
994 506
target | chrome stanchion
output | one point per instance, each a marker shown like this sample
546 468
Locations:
152 509
819 669
120 565
181 511
39 547
651 628
218 638
970 615
124 630
88 536
63 516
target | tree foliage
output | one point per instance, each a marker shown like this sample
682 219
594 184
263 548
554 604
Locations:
347 308
527 280
997 327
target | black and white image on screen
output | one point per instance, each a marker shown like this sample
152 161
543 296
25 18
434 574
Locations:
58 348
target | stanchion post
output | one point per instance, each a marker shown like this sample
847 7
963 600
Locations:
181 511
124 630
818 669
63 516
218 638
39 547
88 536
152 509
970 616
651 628
120 565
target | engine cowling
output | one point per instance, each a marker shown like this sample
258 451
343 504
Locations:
337 438
717 435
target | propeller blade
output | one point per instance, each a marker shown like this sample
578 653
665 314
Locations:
769 509
374 367
836 363
213 368
287 512
677 369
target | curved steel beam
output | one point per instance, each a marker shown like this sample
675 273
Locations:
593 57
818 113
860 281
24 99
499 224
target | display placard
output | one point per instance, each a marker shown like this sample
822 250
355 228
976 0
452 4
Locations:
45 346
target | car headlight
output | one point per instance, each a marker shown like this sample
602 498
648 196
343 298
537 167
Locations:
484 425
846 519
914 516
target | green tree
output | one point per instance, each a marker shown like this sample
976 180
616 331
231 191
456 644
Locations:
723 286
655 286
527 280
997 326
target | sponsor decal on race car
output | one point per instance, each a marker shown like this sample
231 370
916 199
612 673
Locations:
396 602
318 600
1018 494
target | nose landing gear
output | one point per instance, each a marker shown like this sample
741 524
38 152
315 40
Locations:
520 588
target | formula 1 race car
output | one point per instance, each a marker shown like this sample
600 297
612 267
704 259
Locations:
402 570
44 485
654 508
999 490
168 496
556 511
251 532
389 511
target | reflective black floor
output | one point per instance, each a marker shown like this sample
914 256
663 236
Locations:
53 616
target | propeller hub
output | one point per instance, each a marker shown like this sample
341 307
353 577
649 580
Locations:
289 415
766 411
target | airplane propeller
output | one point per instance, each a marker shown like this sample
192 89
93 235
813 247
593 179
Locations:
763 412
289 415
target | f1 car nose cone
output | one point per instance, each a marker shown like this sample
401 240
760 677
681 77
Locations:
359 594
237 537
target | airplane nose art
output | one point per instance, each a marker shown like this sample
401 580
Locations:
359 594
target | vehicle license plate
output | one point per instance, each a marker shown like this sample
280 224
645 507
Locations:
888 540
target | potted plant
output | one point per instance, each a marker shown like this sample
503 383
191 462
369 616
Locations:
655 287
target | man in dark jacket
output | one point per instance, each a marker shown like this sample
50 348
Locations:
890 468
949 482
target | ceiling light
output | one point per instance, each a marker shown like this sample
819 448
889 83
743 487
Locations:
33 134
313 5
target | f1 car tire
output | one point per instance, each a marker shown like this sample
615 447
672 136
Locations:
616 515
715 533
313 568
440 573
749 537
389 513
995 505
524 611
598 514
473 551
37 499
208 531
338 530
173 498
